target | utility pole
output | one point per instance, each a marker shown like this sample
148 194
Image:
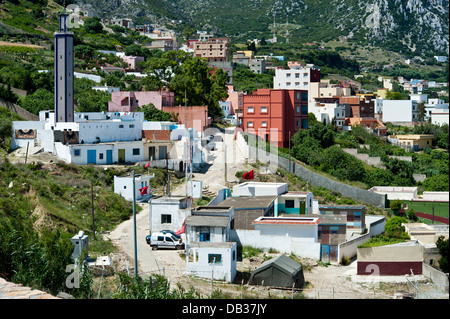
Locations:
135 230
92 206
289 152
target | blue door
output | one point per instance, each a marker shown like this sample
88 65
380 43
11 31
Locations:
109 157
91 156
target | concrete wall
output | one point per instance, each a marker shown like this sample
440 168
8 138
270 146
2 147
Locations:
437 277
284 243
164 206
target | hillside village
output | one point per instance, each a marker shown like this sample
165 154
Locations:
374 192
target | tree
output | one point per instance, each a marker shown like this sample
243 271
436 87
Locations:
421 110
394 227
151 113
40 100
443 248
93 25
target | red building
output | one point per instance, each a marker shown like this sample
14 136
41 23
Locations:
197 116
362 105
267 109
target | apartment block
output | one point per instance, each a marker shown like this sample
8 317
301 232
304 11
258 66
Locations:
279 112
297 77
213 49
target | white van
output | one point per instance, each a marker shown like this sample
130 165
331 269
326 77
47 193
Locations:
165 240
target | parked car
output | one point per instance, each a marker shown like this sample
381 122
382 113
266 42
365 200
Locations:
164 240
170 232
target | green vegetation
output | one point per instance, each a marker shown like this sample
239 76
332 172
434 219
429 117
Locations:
394 233
319 147
443 248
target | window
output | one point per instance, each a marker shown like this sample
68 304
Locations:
288 83
214 258
304 123
298 123
263 124
131 126
263 109
298 109
250 109
136 151
121 126
289 203
334 229
100 155
76 152
298 96
249 124
319 233
304 109
166 219
297 75
304 96
288 75
205 236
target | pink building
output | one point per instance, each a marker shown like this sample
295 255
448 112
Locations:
132 60
197 116
235 99
126 101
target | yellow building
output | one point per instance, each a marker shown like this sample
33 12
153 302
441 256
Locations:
416 141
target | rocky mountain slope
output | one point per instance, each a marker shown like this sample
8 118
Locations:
401 25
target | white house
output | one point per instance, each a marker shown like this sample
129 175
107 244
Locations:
294 203
168 212
400 111
297 77
327 112
440 115
298 235
123 185
394 193
212 260
259 189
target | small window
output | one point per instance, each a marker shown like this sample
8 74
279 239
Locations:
249 124
205 236
166 219
289 203
250 109
76 152
214 258
131 126
160 238
120 126
263 109
263 124
100 155
136 151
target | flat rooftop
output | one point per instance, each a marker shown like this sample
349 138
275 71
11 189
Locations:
206 244
287 221
258 202
201 220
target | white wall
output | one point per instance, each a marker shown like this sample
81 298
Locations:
259 189
164 206
282 78
226 270
103 147
123 185
397 111
283 243
24 125
110 131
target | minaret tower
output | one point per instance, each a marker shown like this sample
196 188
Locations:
64 78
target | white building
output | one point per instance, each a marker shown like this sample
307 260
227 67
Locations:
123 185
297 77
396 193
326 112
259 189
440 115
400 111
168 212
212 260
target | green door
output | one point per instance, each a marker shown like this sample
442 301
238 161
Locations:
302 207
121 155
